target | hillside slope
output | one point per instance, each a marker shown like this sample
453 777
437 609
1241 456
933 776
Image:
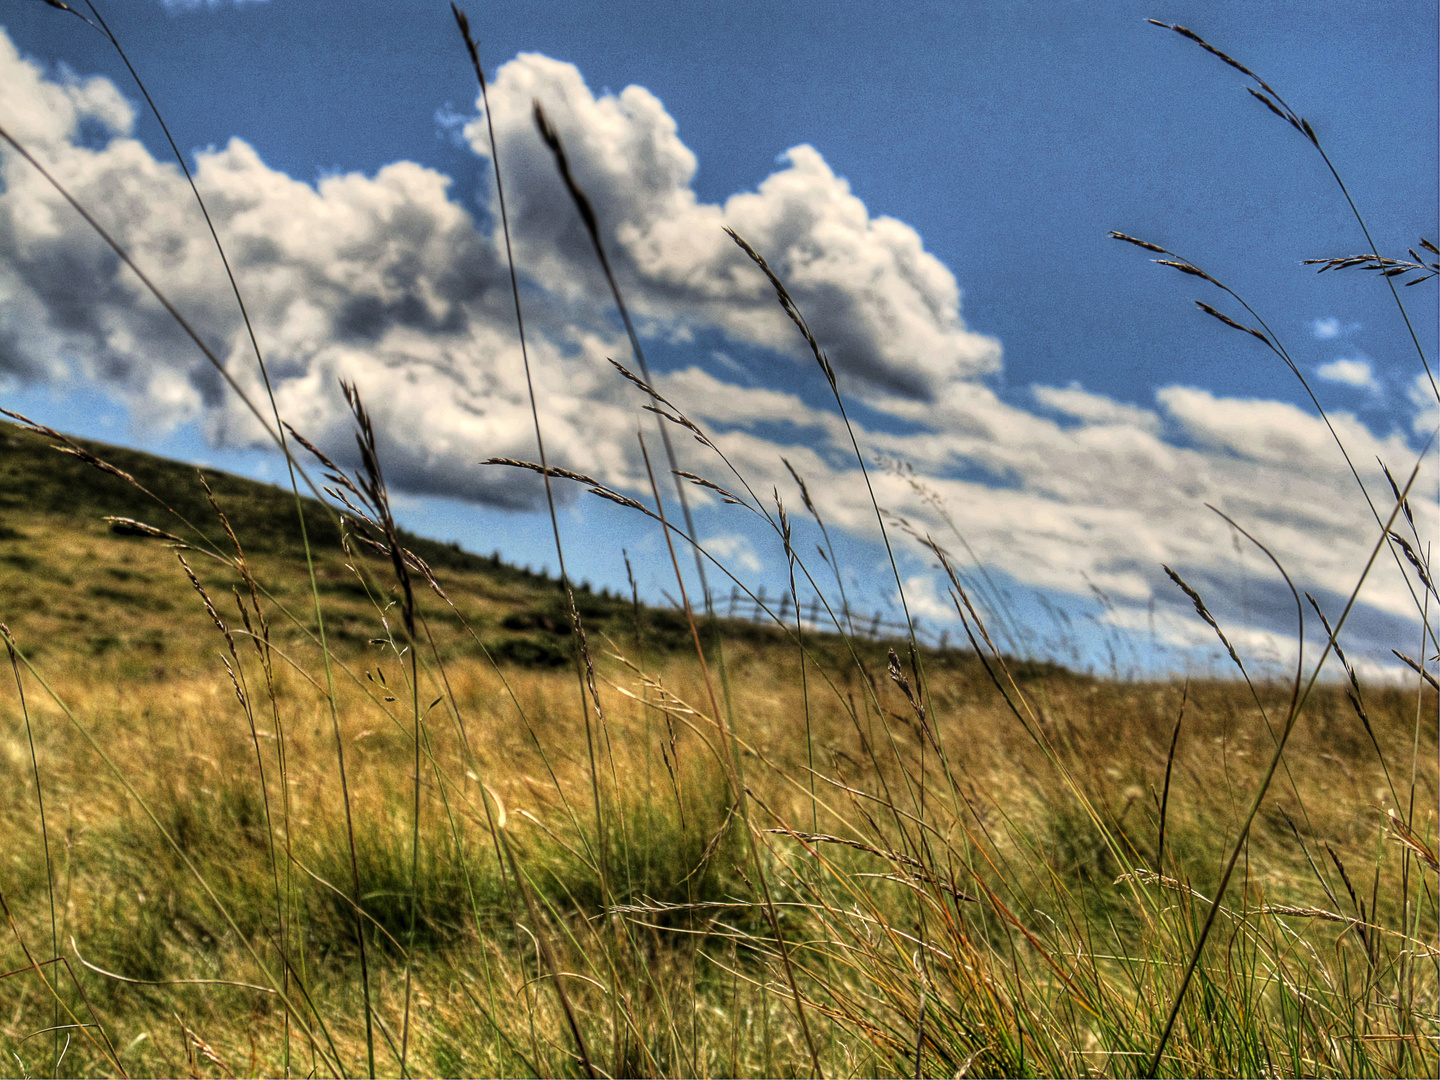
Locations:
73 582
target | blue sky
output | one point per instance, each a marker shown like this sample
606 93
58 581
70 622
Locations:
1061 399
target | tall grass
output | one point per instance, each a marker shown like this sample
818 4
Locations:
405 849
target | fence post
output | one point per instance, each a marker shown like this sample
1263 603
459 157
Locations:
759 604
875 626
734 597
784 606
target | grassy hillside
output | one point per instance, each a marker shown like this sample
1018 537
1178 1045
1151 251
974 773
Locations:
76 582
990 870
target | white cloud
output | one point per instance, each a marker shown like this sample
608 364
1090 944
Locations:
735 551
1094 408
1351 371
888 311
386 281
381 280
1329 328
1427 404
926 601
49 111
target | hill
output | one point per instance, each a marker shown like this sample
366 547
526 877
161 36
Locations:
74 581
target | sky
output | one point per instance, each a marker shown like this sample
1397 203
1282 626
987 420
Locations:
934 182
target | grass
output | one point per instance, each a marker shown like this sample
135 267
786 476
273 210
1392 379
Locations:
1004 826
320 797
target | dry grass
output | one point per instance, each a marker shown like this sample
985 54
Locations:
299 815
1002 827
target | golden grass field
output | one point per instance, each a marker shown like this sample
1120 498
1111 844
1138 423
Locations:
1054 962
342 801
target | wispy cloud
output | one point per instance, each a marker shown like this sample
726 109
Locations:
735 550
1351 371
1329 328
925 600
450 125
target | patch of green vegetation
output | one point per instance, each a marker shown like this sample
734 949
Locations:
529 652
127 596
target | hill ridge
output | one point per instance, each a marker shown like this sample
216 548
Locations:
37 478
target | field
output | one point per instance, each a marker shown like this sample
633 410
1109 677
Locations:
338 800
997 868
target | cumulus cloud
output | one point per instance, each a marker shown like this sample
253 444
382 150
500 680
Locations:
1114 502
382 280
388 281
888 310
1350 371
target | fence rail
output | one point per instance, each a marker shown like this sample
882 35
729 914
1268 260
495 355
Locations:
815 617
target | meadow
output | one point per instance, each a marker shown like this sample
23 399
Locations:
290 791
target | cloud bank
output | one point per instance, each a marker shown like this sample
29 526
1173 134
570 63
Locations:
388 281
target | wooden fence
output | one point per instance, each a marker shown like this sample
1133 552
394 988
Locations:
815 616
